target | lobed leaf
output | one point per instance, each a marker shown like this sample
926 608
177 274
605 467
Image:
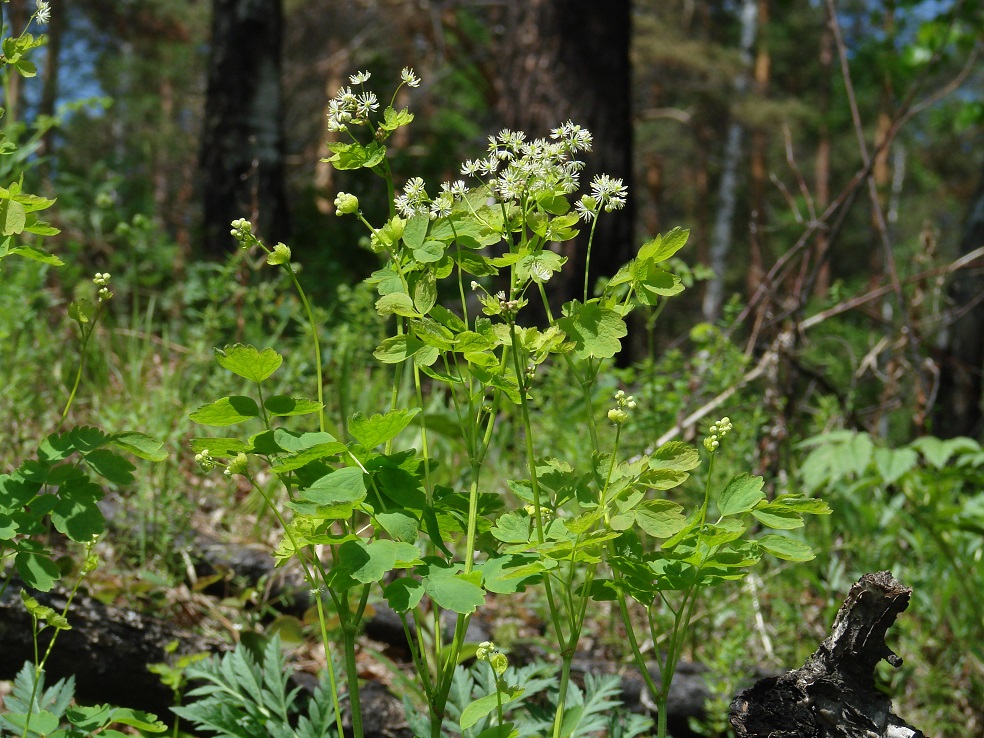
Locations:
248 362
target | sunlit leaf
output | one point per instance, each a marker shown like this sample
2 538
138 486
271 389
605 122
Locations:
248 362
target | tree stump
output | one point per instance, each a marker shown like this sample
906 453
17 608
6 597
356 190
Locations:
833 695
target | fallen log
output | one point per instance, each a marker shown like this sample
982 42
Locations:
107 649
833 695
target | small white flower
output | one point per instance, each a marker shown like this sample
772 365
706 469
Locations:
409 78
359 77
43 13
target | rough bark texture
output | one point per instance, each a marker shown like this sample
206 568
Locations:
569 59
243 142
107 649
958 408
834 694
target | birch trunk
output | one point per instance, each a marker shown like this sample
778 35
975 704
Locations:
721 235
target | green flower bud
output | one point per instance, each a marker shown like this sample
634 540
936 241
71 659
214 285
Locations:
279 255
346 203
499 663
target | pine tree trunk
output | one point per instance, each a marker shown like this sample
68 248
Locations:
958 409
721 236
243 142
569 59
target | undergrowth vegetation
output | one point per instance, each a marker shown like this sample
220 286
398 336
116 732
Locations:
420 444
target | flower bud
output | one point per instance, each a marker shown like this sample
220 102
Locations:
346 203
279 255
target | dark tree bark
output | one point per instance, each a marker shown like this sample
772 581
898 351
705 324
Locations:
569 59
243 142
49 76
834 694
958 406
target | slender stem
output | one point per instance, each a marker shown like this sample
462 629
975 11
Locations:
352 677
587 258
314 339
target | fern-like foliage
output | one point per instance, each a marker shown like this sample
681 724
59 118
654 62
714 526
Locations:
241 697
53 700
594 710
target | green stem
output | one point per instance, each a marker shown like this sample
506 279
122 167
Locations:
352 677
587 258
314 339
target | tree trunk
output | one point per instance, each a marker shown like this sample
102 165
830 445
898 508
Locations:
722 234
569 59
15 15
759 163
243 142
958 406
49 76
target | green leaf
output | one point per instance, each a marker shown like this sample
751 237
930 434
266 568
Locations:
110 465
294 442
513 528
15 492
484 705
395 349
370 562
374 431
595 330
892 464
778 517
137 719
77 513
220 447
37 570
400 525
506 730
13 217
416 230
282 405
510 573
355 155
786 548
227 411
248 362
403 594
660 518
305 457
429 252
459 593
86 438
396 303
28 252
89 719
342 485
742 494
425 292
675 456
662 248
140 445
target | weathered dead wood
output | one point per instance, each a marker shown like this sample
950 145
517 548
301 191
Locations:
107 649
833 695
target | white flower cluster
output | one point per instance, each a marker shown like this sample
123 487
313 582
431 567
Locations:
350 108
414 199
716 432
607 193
43 12
524 169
